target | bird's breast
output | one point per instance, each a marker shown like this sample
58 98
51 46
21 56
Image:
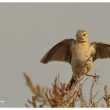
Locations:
81 53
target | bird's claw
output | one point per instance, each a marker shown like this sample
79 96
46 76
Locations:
95 77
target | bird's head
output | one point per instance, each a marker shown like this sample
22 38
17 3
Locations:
81 36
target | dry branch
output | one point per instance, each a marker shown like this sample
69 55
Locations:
59 96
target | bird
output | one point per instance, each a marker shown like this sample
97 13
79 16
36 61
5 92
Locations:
79 53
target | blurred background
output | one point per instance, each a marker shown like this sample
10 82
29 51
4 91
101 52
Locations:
29 30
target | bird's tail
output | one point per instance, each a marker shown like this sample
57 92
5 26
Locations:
72 82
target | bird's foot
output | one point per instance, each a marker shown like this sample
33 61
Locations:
95 77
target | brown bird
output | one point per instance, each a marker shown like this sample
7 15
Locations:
79 53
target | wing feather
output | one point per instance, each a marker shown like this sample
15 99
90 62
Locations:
60 52
102 50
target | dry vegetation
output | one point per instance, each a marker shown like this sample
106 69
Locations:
59 95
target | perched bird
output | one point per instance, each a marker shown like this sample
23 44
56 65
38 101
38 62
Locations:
79 53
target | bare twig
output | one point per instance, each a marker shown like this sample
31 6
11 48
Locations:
59 96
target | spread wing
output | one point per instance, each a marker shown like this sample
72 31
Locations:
101 50
60 52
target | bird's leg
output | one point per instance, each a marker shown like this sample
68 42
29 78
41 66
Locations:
95 77
90 75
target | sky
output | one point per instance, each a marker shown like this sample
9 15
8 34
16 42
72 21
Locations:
29 30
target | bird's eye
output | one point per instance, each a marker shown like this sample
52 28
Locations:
84 34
